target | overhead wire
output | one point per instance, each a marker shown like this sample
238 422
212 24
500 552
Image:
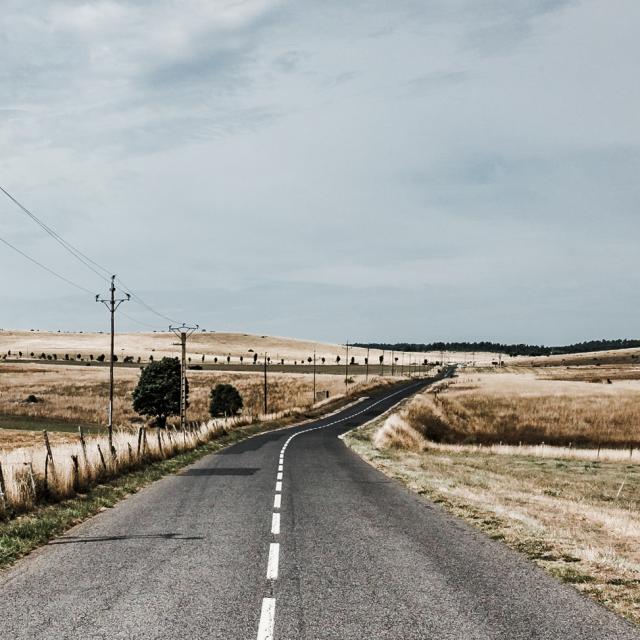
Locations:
74 251
82 257
43 266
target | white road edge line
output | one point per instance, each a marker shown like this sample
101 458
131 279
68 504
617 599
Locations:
274 559
267 619
275 524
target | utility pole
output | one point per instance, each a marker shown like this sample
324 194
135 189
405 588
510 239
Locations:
183 332
314 376
366 377
112 303
346 372
265 383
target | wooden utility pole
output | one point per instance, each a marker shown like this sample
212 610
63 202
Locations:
366 376
265 384
314 376
183 332
346 371
393 363
112 303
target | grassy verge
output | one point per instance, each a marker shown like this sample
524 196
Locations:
22 534
577 519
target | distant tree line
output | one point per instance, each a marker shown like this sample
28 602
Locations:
509 349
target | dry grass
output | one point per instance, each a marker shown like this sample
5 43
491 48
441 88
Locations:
520 409
78 395
209 344
579 519
30 475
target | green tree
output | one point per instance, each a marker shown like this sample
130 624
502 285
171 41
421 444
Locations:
158 390
225 401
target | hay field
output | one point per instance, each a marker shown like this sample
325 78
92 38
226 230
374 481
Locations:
78 395
209 344
524 406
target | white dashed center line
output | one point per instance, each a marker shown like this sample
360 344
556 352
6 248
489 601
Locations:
276 501
275 524
274 559
267 618
278 486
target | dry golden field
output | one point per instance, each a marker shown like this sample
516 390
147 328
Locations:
209 344
525 406
79 394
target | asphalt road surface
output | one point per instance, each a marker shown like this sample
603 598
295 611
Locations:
288 535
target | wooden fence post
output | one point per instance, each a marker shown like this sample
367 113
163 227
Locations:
104 464
139 441
3 491
48 459
76 473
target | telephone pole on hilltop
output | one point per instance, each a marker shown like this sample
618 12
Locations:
183 332
346 371
265 383
314 376
112 303
366 378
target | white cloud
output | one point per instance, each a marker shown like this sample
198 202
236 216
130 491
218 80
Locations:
350 146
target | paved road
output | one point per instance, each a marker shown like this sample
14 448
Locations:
336 551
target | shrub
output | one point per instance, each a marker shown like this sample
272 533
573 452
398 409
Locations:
101 357
225 401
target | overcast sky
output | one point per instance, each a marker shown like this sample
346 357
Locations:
367 170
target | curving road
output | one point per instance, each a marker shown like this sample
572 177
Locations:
289 535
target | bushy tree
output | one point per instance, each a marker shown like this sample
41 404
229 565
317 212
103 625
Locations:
225 401
158 391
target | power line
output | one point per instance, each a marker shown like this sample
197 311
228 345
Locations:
82 257
140 322
67 280
140 301
74 251
42 266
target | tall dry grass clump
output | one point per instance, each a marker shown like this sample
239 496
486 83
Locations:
34 474
414 426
